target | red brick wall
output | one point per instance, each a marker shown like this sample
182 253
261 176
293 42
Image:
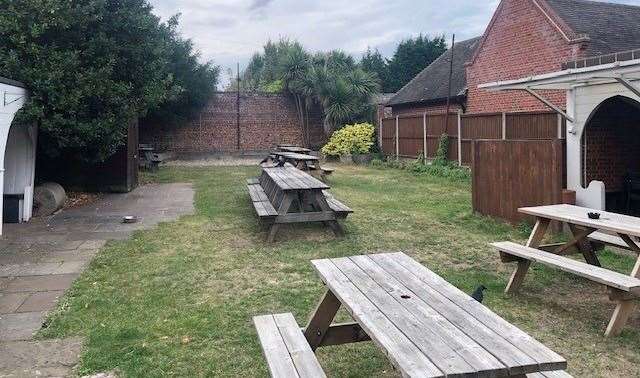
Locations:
520 42
265 121
613 144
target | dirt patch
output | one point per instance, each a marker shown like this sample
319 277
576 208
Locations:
77 199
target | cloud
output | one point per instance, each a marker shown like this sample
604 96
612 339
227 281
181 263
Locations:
230 31
258 4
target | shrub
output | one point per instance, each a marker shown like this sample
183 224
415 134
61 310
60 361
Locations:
351 139
441 153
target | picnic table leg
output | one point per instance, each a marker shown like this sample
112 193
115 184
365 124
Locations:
321 319
625 307
287 200
517 277
584 246
321 202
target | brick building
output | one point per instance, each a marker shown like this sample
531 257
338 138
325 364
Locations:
265 120
523 38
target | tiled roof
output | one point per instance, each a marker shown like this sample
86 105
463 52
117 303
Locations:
610 27
431 84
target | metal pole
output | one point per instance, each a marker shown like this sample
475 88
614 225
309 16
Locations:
504 126
238 110
446 116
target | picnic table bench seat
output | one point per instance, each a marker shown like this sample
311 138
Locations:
609 278
607 239
285 348
338 207
260 200
550 374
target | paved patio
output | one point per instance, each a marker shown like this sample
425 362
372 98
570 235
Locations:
41 259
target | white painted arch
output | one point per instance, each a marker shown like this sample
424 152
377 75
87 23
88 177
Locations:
17 149
587 88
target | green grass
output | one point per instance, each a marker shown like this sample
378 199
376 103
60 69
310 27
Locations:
178 300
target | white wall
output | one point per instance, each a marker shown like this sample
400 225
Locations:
17 164
581 103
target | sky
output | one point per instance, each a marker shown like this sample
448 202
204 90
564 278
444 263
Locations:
231 31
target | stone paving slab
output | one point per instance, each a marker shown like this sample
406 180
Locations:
20 326
39 260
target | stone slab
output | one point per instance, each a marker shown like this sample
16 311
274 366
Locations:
9 302
19 355
20 326
28 269
41 301
40 283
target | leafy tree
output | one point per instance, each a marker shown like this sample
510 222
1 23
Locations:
91 67
372 61
331 79
412 56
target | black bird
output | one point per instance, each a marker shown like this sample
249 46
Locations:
281 163
477 294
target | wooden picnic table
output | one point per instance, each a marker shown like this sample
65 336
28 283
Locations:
611 228
424 325
297 197
305 162
295 149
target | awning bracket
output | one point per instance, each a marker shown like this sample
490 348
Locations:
627 84
549 104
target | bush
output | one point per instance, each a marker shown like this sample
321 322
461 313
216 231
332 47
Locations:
418 167
351 139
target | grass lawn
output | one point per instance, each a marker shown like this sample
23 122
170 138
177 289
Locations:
178 300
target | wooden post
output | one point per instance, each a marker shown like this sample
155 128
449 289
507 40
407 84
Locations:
560 136
424 137
397 140
504 126
459 137
380 120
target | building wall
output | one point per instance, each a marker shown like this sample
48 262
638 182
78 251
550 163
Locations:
265 121
520 42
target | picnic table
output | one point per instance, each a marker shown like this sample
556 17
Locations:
305 162
423 324
286 194
587 235
295 149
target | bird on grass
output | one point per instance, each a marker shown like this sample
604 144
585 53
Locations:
478 294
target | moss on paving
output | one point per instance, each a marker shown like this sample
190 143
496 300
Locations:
178 300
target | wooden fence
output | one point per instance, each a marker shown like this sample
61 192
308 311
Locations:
415 135
509 174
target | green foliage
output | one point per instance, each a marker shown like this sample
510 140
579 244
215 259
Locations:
433 169
441 152
93 66
410 57
331 80
351 139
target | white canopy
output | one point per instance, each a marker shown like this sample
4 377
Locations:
586 88
17 149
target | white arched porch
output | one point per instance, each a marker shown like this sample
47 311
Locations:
587 88
17 151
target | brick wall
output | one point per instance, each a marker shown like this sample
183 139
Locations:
421 109
613 143
265 121
520 42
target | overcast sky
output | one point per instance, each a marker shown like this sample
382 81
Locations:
230 31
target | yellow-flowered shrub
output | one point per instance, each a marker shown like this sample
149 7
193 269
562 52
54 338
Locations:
351 139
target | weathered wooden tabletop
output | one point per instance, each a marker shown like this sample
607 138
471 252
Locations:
618 223
291 178
295 156
295 149
426 326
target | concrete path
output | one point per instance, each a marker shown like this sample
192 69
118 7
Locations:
41 259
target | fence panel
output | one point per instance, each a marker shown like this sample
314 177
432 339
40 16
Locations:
532 125
410 136
509 174
482 126
389 136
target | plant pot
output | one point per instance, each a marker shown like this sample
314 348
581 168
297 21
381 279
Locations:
362 159
346 159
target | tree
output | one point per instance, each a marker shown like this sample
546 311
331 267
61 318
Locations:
412 56
93 66
331 79
372 61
